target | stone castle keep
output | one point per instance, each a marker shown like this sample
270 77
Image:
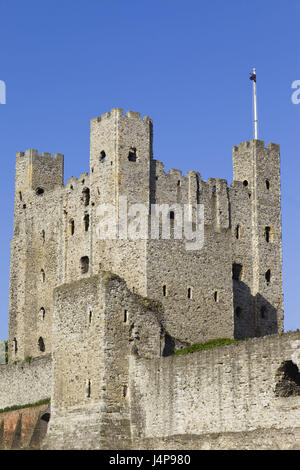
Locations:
93 323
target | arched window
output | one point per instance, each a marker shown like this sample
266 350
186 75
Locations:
288 380
132 154
102 156
269 234
41 344
84 264
86 196
245 183
237 270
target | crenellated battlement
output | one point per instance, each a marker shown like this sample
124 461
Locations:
118 112
163 292
33 153
198 289
259 144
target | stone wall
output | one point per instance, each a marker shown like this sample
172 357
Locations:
24 428
225 393
98 323
56 238
24 383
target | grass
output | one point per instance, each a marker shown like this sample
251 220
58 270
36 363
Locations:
213 343
45 401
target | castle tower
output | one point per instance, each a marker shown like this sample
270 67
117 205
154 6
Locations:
120 162
256 235
34 252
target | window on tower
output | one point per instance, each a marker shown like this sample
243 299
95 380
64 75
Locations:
132 154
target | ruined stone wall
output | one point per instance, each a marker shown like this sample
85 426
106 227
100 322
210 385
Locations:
24 428
98 322
24 383
219 392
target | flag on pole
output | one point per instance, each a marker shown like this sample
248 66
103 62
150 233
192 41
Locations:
253 77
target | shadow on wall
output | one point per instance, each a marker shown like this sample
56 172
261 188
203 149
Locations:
253 315
24 428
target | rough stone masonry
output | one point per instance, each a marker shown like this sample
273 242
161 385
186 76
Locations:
110 312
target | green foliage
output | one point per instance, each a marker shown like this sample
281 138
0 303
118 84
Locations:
109 276
213 343
28 359
45 401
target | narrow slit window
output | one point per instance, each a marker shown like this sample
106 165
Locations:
86 221
72 226
190 292
102 157
238 232
238 311
125 316
124 391
42 313
263 311
268 276
15 345
88 389
43 275
216 296
164 289
90 316
268 184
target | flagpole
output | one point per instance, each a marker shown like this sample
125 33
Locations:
255 106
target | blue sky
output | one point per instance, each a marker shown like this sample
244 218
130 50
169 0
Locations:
185 64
